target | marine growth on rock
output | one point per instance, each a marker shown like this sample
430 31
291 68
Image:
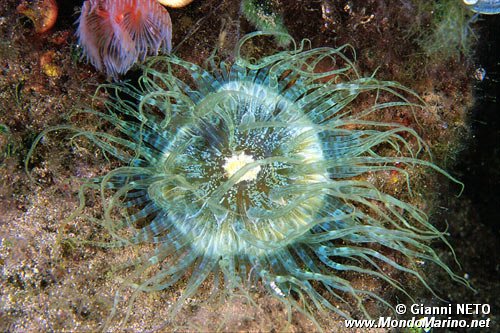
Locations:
257 171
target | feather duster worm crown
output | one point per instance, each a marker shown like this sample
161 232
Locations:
115 34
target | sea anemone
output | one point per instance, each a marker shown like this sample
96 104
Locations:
259 172
115 34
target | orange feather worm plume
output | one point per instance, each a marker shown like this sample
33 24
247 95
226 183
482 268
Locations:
115 34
